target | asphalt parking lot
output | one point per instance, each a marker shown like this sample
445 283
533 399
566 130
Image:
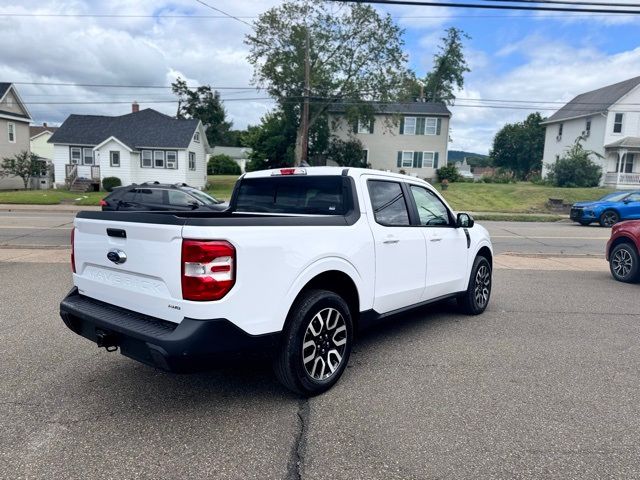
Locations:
543 385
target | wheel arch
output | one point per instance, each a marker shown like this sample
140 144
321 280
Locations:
620 240
485 252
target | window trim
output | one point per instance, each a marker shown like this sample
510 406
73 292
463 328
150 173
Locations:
402 165
616 123
415 125
155 159
111 162
433 159
196 137
166 158
435 125
11 132
364 129
79 160
404 195
84 156
192 169
142 165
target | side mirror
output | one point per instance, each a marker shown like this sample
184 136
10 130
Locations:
464 220
194 205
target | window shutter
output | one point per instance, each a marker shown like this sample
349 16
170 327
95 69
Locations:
402 126
354 126
420 125
415 159
420 159
371 125
438 126
399 159
435 159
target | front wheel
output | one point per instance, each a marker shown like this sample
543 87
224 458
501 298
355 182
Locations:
316 343
475 300
609 218
623 262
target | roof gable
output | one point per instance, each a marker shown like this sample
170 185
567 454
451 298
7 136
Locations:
146 128
11 105
595 101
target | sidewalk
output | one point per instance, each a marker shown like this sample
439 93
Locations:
10 207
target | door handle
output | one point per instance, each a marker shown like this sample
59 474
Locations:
436 239
390 241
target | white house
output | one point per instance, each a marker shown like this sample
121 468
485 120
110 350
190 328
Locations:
239 154
39 140
14 130
142 146
608 119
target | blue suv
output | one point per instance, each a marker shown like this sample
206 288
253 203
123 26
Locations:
609 210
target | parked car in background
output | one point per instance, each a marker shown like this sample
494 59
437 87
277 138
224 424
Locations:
622 251
609 210
159 196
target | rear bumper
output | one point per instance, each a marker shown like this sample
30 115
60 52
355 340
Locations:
174 347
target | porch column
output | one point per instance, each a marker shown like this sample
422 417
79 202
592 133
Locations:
621 154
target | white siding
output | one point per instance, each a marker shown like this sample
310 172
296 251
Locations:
62 157
124 171
631 120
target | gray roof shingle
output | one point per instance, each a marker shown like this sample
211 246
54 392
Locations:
146 128
593 102
626 142
416 108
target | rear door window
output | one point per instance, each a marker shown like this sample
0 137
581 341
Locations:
180 199
314 195
151 195
388 202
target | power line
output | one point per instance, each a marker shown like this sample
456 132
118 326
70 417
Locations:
224 13
102 85
568 2
488 7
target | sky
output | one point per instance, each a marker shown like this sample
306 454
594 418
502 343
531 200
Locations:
533 61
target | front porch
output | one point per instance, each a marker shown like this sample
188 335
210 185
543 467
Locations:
623 164
82 178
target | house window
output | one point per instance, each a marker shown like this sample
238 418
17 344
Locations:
196 137
365 157
617 123
409 125
87 156
560 129
147 159
626 165
172 160
11 132
114 158
427 159
76 155
431 126
407 159
192 161
365 127
158 159
587 127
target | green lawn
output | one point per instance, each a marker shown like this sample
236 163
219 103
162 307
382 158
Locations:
476 197
513 197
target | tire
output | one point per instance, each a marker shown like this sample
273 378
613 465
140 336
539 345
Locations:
623 263
475 300
319 326
609 218
584 223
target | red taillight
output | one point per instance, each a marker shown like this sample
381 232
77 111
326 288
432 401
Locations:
103 203
208 269
73 248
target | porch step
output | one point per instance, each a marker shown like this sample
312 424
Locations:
81 185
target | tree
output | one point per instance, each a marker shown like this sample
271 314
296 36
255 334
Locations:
272 142
24 165
519 146
347 153
575 168
204 104
222 165
354 53
447 74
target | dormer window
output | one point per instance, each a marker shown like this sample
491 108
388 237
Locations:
196 137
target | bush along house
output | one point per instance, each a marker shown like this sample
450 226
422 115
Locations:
142 146
411 137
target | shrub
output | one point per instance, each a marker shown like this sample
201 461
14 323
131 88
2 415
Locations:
575 169
109 183
448 172
501 176
222 165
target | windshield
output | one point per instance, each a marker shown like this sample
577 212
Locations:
614 197
204 197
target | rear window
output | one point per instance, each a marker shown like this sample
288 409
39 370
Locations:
314 195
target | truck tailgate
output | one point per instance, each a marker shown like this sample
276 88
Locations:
148 280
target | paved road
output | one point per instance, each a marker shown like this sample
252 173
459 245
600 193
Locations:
24 228
543 385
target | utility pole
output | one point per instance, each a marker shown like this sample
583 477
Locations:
304 157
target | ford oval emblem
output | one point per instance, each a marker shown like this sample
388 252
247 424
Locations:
117 256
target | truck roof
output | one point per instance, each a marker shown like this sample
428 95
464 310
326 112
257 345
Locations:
352 172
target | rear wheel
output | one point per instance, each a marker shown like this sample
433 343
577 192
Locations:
316 343
475 300
623 262
609 218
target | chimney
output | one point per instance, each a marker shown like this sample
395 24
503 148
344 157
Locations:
135 107
44 124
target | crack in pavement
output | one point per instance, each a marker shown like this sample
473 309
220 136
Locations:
43 229
298 449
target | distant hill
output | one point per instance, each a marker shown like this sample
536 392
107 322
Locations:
473 159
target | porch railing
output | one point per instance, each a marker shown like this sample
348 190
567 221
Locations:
95 172
70 174
613 178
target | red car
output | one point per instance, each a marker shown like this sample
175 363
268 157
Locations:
622 251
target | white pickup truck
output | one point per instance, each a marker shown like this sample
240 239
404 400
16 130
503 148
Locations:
299 262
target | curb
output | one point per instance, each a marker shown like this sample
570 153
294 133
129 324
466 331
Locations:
61 208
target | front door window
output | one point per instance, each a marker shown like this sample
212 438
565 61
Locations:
626 165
